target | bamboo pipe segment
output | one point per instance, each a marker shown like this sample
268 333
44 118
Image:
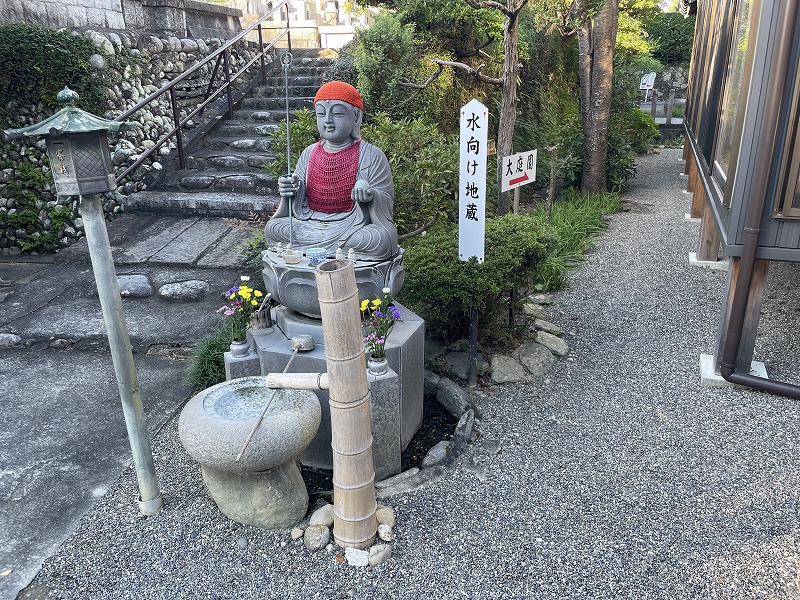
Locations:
295 349
354 505
298 381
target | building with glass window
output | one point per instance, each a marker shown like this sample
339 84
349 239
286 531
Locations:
742 123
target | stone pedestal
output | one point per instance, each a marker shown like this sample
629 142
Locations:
295 286
264 488
397 395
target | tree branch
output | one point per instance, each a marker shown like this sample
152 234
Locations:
475 72
419 230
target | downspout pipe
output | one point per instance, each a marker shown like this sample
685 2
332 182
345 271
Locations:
764 167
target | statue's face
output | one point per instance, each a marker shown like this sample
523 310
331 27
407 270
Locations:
335 120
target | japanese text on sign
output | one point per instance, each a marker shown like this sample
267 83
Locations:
518 169
472 180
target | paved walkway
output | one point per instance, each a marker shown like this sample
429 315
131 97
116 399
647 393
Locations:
63 439
617 475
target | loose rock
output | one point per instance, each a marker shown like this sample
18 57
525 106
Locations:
316 537
356 557
323 516
379 554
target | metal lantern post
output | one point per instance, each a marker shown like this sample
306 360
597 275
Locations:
77 145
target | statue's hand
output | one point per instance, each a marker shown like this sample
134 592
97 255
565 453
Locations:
287 186
362 191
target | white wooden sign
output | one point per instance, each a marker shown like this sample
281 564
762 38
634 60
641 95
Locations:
518 169
472 180
647 81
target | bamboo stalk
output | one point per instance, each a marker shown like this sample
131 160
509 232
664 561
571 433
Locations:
354 506
297 381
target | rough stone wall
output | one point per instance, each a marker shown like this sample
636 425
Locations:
133 67
676 78
72 14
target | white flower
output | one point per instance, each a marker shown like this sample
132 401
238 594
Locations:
245 278
386 290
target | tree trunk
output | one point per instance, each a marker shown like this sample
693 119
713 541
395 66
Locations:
508 109
596 39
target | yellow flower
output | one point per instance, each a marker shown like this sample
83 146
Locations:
376 303
254 302
232 297
257 294
364 305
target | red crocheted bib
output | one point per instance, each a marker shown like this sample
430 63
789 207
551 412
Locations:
330 179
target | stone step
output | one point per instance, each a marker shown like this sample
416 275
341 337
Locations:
235 144
227 160
221 203
245 180
263 103
299 87
247 129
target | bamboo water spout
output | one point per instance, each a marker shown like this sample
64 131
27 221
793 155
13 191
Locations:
354 506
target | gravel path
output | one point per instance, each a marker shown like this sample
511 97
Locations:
618 475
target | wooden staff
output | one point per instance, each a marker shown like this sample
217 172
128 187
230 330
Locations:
354 506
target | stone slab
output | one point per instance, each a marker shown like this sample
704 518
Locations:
153 239
710 378
191 243
227 251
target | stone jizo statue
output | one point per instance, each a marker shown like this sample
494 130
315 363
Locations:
341 192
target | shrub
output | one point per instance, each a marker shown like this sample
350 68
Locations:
384 55
207 365
672 35
443 288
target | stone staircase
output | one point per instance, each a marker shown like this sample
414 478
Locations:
224 174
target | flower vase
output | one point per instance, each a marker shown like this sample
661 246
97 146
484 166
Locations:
377 366
240 349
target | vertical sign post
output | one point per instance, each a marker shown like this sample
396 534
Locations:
472 204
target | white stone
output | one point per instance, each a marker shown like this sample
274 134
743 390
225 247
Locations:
322 516
316 537
385 533
385 516
379 554
7 340
297 533
356 557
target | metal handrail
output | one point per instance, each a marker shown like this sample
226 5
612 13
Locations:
221 55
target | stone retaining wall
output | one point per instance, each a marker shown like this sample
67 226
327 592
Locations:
133 67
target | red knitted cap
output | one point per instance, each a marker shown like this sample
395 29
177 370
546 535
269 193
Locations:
339 90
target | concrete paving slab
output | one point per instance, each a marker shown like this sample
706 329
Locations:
187 247
153 239
63 441
228 251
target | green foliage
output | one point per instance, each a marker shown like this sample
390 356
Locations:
207 365
385 54
450 25
672 35
443 288
38 63
26 187
424 168
574 221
